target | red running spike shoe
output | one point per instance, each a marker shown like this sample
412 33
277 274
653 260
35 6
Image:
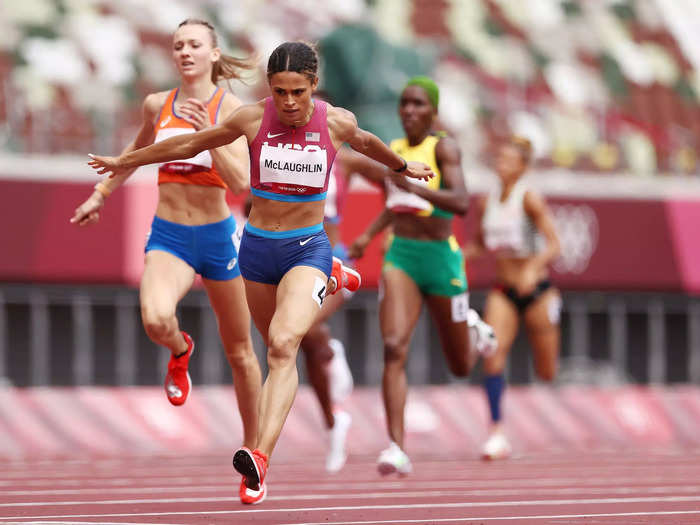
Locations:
250 496
344 277
252 465
178 383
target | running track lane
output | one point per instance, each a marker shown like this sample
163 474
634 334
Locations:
600 487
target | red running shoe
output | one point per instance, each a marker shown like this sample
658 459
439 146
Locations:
250 496
178 383
253 467
344 277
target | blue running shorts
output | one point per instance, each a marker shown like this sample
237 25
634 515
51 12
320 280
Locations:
266 256
208 248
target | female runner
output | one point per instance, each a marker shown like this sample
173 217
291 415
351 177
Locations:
192 228
510 220
423 262
285 255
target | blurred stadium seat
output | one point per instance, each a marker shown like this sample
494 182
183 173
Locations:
600 85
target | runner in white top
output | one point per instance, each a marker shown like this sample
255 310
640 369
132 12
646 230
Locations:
517 228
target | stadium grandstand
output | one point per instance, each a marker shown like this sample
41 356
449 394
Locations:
600 86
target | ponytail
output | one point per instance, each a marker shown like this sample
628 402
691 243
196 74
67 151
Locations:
228 68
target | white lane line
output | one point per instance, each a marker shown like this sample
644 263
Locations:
28 472
72 522
494 518
373 495
587 501
681 488
226 481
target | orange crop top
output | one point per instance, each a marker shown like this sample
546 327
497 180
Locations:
200 169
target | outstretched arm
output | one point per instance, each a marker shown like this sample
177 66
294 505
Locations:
344 127
180 147
354 162
88 212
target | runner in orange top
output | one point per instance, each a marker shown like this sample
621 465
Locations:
193 227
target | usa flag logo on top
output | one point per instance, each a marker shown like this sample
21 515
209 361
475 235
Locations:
313 136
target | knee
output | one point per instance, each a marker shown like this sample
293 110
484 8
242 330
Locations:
395 352
316 352
281 350
157 324
240 354
315 345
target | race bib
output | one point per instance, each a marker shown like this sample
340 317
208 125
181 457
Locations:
290 164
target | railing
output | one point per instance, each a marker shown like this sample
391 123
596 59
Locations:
61 335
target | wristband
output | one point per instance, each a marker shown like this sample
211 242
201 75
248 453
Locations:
402 168
103 189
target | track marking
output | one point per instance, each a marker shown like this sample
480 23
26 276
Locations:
479 492
599 501
373 495
95 523
494 518
497 482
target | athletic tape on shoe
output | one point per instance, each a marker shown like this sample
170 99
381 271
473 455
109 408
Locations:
319 291
460 307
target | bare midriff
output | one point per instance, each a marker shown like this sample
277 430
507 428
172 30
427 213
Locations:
510 271
190 204
271 215
421 228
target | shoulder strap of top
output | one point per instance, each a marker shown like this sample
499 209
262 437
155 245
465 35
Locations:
214 105
166 108
321 111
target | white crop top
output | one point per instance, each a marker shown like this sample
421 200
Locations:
508 230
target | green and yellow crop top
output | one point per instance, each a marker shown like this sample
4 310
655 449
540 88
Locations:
400 201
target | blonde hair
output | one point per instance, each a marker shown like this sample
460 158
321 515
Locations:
523 145
227 67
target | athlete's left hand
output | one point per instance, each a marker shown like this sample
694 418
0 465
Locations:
105 165
418 170
195 112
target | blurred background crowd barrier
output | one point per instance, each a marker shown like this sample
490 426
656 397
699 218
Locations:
607 90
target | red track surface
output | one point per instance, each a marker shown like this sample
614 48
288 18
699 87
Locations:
585 487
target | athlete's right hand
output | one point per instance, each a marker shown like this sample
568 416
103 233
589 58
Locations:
105 165
88 211
418 170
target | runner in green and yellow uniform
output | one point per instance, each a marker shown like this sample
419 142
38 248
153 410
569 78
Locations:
423 262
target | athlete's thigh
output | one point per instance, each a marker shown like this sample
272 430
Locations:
400 303
165 280
299 299
542 324
450 317
261 299
229 303
503 317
